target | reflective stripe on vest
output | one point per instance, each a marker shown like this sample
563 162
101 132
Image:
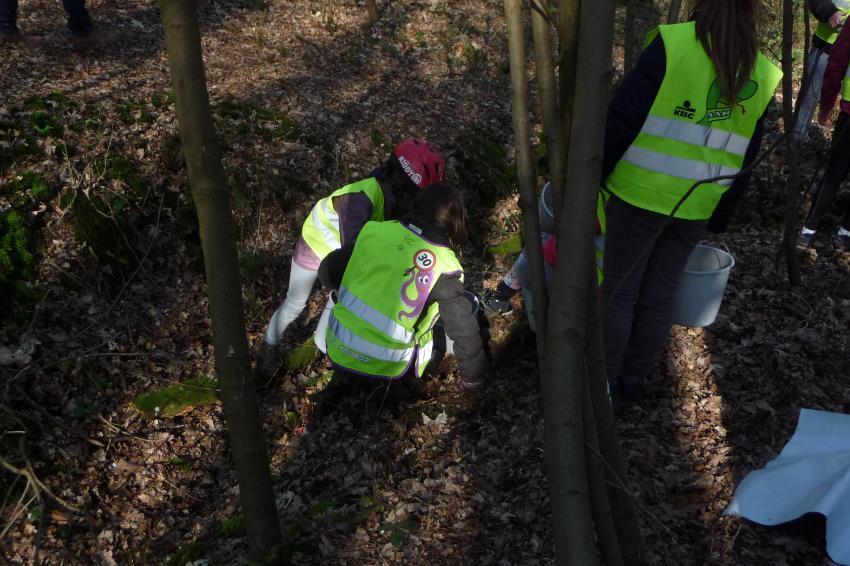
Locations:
326 222
677 166
365 348
825 31
383 323
691 133
696 134
321 229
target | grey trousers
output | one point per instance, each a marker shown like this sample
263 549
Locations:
808 101
638 306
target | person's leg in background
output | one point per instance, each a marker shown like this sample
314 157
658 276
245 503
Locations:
79 19
9 21
628 240
836 172
841 241
301 281
808 101
657 300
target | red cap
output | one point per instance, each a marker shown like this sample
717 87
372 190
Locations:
421 161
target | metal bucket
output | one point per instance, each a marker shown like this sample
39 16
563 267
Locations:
702 286
546 211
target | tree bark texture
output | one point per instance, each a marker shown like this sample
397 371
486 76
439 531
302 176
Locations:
211 196
372 8
548 94
789 247
674 11
606 532
526 177
619 495
568 22
629 41
564 371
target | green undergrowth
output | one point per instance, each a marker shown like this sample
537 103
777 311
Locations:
300 357
509 246
178 398
16 254
187 553
484 167
247 119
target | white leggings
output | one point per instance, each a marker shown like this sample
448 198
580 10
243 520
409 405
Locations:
301 283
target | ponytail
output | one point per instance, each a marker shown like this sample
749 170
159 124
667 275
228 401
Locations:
727 31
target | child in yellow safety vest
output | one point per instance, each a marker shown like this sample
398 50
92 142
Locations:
393 285
337 220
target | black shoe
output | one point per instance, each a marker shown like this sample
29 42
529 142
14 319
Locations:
496 304
95 38
632 392
804 241
841 242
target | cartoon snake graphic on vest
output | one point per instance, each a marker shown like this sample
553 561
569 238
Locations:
717 109
423 276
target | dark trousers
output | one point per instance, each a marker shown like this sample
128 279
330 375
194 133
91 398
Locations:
79 20
836 172
638 306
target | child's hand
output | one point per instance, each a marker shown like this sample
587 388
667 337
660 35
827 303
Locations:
836 19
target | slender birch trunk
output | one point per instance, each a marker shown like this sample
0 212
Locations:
218 239
629 41
564 370
674 11
568 24
372 8
789 246
547 92
619 495
526 177
603 518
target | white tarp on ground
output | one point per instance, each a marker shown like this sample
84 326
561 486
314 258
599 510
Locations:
812 474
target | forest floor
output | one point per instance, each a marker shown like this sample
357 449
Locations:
306 98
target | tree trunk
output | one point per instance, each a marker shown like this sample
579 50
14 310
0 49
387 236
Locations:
546 91
673 11
564 370
568 23
629 41
372 7
211 196
619 496
526 177
789 246
606 531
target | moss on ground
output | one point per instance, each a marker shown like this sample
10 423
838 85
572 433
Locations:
301 356
512 245
178 398
245 118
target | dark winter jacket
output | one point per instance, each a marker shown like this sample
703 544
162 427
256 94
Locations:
354 211
839 58
822 10
628 111
455 309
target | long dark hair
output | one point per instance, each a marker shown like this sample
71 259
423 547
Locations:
442 205
727 31
391 175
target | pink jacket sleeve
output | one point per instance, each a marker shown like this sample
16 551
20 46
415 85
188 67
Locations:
839 57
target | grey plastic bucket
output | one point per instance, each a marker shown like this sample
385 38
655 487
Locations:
545 211
702 286
528 305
